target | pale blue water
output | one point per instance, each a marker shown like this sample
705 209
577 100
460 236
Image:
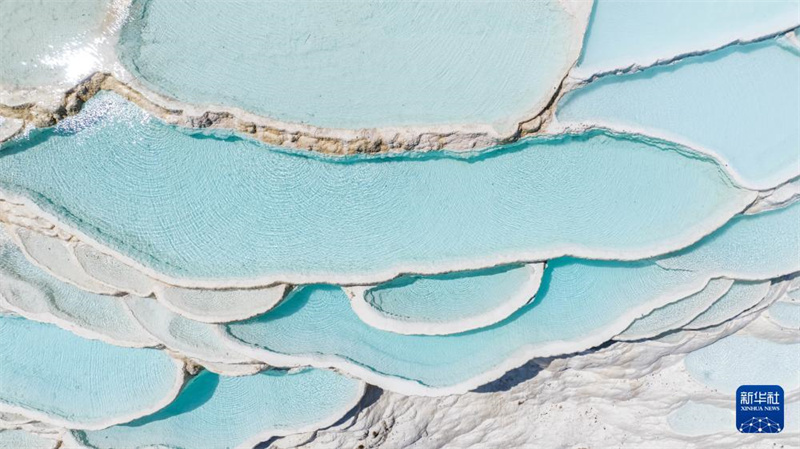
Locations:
623 32
146 189
792 415
48 42
787 314
738 360
20 439
742 103
223 412
577 300
210 204
673 316
354 64
576 303
449 297
755 247
50 371
694 418
741 296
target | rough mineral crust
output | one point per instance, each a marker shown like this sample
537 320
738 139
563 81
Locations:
618 395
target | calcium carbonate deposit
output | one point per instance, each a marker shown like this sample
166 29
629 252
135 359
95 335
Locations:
380 224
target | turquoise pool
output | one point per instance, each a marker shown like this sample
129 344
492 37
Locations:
714 102
356 64
664 29
95 385
147 191
217 411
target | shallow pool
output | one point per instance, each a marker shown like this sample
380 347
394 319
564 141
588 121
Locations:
209 205
357 64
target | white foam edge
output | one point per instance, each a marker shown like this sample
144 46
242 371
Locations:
524 294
